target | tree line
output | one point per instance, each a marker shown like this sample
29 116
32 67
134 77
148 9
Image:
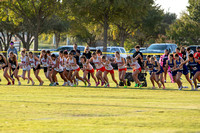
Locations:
118 21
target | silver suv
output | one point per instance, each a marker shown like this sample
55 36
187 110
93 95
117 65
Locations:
113 49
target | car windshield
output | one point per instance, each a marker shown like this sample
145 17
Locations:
65 48
157 47
123 51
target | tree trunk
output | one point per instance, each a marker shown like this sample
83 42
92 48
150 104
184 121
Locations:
105 39
141 42
57 38
26 40
1 47
36 41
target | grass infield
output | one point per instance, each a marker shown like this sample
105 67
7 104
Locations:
29 108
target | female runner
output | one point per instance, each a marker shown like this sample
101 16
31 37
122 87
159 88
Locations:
75 68
99 68
194 64
67 69
4 66
34 62
149 67
59 69
108 69
14 66
181 69
158 72
45 60
136 69
170 63
87 68
121 67
25 64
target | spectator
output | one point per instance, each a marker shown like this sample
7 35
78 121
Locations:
87 52
178 52
137 51
88 55
12 48
183 52
197 54
189 51
76 53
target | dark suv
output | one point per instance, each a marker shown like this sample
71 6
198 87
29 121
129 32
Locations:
160 48
194 47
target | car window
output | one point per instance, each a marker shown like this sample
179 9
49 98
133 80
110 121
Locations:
122 50
157 47
81 49
114 49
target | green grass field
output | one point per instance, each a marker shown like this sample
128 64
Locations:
29 108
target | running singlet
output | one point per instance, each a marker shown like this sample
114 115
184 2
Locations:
66 64
194 65
108 66
60 66
44 62
165 58
178 63
120 63
32 62
13 63
71 62
134 65
88 66
24 62
171 65
149 65
97 63
2 62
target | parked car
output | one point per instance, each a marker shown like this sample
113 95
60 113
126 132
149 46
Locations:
92 49
113 49
133 49
193 47
160 48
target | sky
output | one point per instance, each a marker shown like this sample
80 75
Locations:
173 6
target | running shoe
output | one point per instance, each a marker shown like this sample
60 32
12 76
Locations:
65 83
180 88
89 85
102 83
97 84
106 85
19 83
140 86
8 83
136 85
51 84
33 83
41 83
13 81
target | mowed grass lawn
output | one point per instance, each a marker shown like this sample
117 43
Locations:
29 108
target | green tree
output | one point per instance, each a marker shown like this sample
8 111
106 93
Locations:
194 10
185 31
34 14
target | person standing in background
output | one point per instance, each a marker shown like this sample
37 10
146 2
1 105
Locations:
88 55
178 52
137 52
13 49
76 53
183 52
189 51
